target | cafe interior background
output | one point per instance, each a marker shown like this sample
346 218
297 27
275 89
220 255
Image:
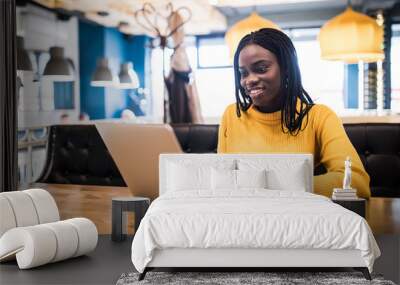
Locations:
81 61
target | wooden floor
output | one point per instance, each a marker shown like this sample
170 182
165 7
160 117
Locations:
94 203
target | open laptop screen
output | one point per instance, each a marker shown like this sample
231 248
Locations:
135 149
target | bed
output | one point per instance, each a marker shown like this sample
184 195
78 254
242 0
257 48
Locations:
246 211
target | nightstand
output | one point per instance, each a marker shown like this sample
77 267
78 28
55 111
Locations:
121 205
356 205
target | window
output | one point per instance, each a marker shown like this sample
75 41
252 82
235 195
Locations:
213 52
323 80
64 95
214 77
216 91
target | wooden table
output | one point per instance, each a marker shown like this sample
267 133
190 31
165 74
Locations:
94 202
383 215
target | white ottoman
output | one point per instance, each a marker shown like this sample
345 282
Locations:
31 232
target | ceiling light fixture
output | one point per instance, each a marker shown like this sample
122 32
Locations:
351 37
128 78
250 24
102 76
58 67
23 61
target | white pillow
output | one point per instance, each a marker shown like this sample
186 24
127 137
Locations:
186 175
223 179
228 179
181 178
281 174
251 178
289 179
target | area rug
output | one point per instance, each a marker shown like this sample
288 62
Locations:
273 278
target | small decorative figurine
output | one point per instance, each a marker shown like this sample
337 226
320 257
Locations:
347 174
345 193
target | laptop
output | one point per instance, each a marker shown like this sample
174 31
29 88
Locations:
135 149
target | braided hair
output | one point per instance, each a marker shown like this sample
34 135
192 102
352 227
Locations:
291 88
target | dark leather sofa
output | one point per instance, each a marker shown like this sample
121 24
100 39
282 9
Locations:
76 154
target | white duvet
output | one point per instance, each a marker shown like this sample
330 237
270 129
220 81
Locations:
250 219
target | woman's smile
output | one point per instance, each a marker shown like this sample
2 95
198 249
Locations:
260 77
255 92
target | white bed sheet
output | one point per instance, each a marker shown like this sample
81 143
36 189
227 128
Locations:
252 218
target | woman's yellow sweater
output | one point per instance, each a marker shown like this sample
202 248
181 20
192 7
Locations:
324 137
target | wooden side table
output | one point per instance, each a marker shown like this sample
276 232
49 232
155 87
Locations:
356 205
121 205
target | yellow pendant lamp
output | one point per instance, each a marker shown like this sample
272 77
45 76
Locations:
250 24
351 37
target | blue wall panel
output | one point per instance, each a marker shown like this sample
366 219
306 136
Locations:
135 52
91 47
351 86
140 57
116 99
95 42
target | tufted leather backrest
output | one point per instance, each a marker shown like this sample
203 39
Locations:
77 155
197 138
378 145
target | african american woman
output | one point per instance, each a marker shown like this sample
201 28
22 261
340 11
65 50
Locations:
274 114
